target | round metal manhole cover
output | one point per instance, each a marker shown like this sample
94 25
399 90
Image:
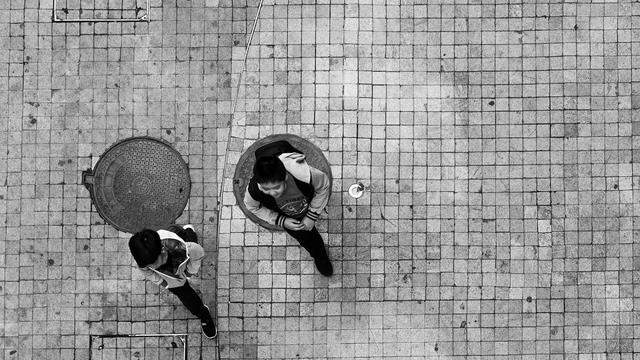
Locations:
139 183
244 169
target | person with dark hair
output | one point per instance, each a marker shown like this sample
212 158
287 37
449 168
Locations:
169 258
288 192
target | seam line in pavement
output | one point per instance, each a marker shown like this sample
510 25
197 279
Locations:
224 164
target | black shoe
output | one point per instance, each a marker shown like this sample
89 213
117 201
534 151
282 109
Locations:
209 327
324 266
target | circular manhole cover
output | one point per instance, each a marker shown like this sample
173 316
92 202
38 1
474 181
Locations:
138 183
244 169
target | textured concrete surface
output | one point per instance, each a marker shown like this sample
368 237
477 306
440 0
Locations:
498 142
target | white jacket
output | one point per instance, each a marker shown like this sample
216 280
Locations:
189 267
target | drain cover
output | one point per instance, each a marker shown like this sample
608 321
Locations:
138 183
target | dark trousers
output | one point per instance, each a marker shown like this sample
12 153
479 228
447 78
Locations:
312 242
185 293
191 301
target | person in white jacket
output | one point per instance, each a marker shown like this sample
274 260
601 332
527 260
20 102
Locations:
169 258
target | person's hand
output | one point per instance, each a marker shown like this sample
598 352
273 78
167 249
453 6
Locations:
308 223
293 224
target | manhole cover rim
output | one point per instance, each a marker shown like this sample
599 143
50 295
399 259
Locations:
89 181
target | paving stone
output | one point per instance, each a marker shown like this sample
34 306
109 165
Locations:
496 141
461 116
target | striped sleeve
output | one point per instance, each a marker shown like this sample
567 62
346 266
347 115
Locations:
322 188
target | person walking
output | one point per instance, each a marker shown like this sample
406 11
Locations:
169 258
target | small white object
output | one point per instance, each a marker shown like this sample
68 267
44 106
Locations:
356 190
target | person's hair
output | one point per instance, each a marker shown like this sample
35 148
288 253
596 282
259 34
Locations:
269 169
145 247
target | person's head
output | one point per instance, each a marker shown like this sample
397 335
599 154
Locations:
270 175
147 249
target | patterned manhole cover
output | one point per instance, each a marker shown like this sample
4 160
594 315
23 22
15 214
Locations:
139 182
244 169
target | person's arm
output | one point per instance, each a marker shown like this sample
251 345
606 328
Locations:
186 232
262 212
322 188
196 254
154 277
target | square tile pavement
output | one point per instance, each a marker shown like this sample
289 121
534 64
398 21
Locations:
496 155
497 141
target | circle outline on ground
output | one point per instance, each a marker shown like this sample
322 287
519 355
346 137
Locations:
139 182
